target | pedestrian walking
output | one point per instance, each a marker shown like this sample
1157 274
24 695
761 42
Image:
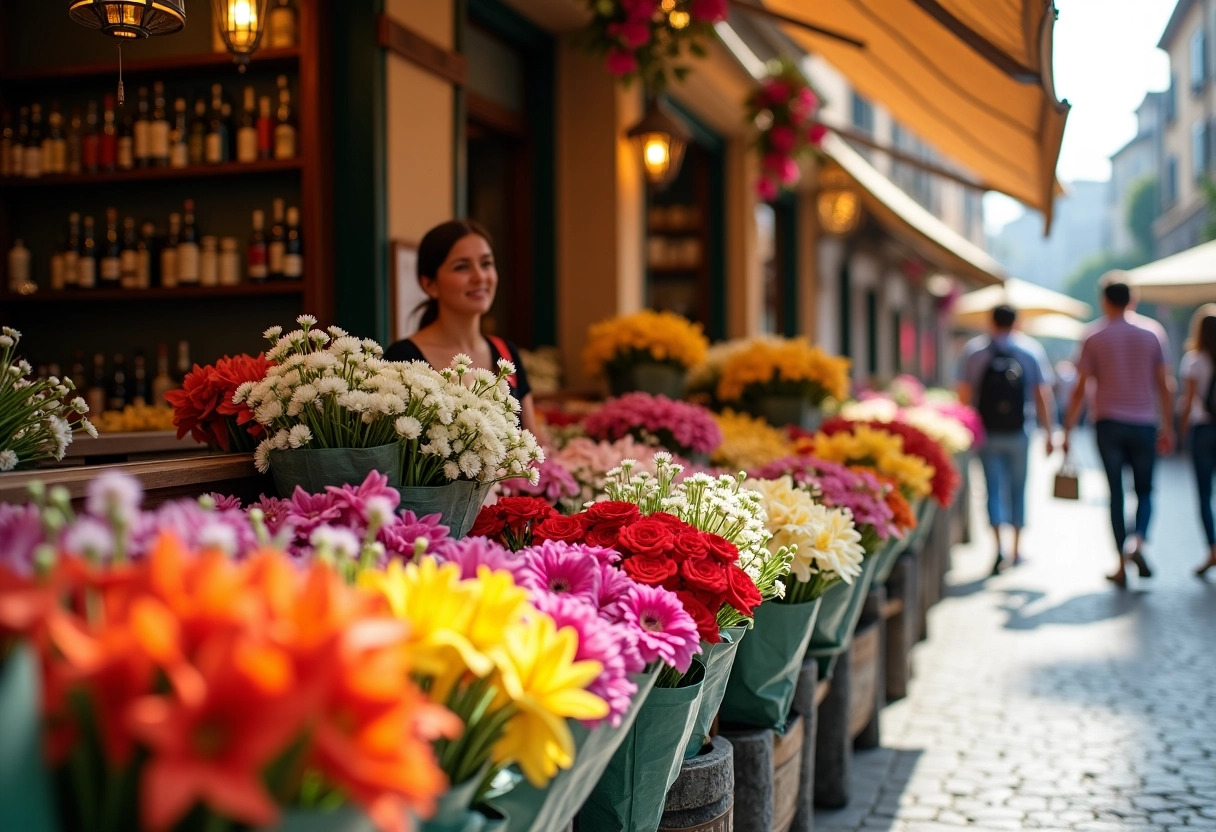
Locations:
1133 412
1003 375
1198 409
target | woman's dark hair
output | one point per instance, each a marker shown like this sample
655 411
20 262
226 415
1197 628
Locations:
434 250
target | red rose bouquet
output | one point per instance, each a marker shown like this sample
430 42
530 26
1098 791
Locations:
203 407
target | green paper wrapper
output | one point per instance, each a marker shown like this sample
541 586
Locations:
765 673
886 557
458 502
454 812
314 468
26 793
346 819
842 605
530 809
632 792
719 659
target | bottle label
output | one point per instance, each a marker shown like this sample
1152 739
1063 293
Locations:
57 271
126 153
247 145
215 148
58 156
187 263
86 273
284 142
143 269
111 270
33 162
71 268
181 156
293 266
158 140
143 146
265 137
168 268
129 265
108 152
17 161
275 253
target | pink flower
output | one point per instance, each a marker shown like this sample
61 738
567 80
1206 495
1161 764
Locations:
710 11
274 512
307 511
21 532
634 33
351 501
400 538
114 495
775 93
562 569
615 586
766 189
622 63
789 172
781 139
683 428
472 553
665 631
225 502
816 134
804 103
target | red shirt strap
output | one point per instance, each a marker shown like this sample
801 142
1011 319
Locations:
500 346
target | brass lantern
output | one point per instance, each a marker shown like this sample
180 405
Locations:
241 24
660 140
129 19
839 203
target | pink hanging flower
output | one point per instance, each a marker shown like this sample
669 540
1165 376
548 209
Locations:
633 34
622 63
782 139
766 189
789 172
709 11
665 631
816 134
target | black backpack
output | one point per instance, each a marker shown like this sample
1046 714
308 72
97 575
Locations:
1002 398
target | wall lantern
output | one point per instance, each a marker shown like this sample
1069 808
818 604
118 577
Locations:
129 19
839 203
660 140
241 24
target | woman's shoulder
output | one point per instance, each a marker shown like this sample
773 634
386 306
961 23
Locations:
404 350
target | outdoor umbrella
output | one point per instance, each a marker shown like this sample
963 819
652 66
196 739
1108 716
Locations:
1063 327
1187 278
974 309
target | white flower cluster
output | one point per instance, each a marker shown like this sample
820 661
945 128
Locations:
36 418
712 504
329 389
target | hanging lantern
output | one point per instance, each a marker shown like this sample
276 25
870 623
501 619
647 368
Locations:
839 203
660 140
129 19
241 24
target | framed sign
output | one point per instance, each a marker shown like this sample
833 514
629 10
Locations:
404 292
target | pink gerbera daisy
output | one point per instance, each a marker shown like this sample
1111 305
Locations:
563 569
665 631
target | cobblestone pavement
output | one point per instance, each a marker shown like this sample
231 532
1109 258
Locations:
1045 698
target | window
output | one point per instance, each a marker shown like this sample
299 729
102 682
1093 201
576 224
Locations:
1171 99
863 114
1169 189
1199 150
1199 59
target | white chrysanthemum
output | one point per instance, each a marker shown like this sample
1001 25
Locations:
339 543
8 459
451 470
306 321
261 456
272 333
299 436
89 427
408 427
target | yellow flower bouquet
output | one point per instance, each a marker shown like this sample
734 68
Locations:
748 442
628 343
783 367
871 447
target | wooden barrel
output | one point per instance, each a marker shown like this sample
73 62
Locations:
703 797
787 774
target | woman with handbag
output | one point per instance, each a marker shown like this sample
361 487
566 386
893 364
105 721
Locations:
1198 407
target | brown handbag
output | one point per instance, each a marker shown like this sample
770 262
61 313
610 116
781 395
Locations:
1067 484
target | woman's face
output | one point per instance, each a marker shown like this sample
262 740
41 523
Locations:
466 282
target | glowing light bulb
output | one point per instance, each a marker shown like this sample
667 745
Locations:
679 20
655 152
242 13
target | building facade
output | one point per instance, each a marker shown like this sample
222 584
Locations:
1136 162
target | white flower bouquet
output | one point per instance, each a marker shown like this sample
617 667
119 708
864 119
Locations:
36 418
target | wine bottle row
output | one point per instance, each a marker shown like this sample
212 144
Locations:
128 259
154 137
119 384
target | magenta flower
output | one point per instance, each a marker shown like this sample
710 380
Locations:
399 538
274 511
561 569
615 586
307 511
665 632
225 502
472 553
683 428
351 501
20 534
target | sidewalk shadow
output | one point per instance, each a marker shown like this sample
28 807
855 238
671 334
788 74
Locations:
969 588
879 777
1079 610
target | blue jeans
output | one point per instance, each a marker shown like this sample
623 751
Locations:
1004 457
1120 444
1203 455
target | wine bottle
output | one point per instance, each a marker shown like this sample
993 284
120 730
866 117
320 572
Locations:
117 398
75 143
20 138
247 133
188 249
197 143
7 135
108 145
126 144
33 146
265 129
162 382
168 255
71 252
128 257
281 32
111 253
90 142
183 362
293 252
140 391
95 396
217 132
159 129
258 254
142 132
18 266
277 246
179 137
86 267
147 273
55 145
285 128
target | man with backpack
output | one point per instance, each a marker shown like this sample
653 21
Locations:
1003 375
1133 412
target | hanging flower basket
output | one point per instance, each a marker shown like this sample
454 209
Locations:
783 109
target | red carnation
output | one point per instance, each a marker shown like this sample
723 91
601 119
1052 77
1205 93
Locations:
705 618
560 527
652 571
647 538
741 591
706 574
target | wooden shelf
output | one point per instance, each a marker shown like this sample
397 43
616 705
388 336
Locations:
245 290
154 174
168 66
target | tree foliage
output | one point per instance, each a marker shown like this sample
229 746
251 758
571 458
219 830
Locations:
1082 284
1143 206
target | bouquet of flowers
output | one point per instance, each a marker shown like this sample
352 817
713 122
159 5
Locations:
787 367
645 337
684 429
827 545
36 418
947 423
917 444
748 442
858 444
783 109
639 37
204 405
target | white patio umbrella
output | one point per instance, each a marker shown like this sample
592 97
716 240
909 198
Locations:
974 309
1055 326
1187 278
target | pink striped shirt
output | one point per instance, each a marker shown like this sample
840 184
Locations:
1123 358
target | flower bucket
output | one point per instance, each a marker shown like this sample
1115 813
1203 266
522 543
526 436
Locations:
346 819
783 411
838 617
454 812
654 378
632 792
26 793
886 556
719 659
765 673
458 502
530 809
314 468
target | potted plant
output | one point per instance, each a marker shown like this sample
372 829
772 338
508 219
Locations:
783 381
647 351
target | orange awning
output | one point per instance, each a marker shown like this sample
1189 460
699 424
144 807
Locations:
971 77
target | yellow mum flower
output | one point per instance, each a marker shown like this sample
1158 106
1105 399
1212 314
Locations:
663 336
748 442
545 686
773 365
873 447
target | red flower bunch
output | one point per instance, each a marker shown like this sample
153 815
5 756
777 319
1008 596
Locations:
784 110
638 37
916 443
516 522
203 406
